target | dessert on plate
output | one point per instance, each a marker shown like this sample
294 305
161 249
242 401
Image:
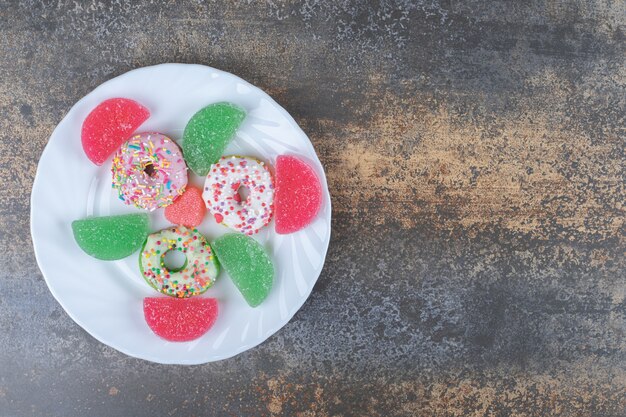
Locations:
241 192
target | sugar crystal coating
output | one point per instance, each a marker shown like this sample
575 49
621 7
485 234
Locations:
248 265
111 237
180 320
208 133
109 125
298 196
188 209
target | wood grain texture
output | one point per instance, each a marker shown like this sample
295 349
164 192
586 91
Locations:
475 156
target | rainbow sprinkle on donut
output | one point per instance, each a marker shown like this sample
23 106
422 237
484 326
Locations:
221 193
149 171
194 277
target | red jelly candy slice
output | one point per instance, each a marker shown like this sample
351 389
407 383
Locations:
188 209
180 319
298 194
109 125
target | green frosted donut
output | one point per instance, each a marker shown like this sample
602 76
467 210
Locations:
196 275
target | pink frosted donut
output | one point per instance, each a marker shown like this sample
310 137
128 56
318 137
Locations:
149 171
221 193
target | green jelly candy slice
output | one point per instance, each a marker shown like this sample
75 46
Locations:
208 133
248 265
111 237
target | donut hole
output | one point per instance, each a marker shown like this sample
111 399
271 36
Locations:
174 260
149 169
243 192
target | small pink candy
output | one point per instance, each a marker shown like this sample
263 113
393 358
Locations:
188 209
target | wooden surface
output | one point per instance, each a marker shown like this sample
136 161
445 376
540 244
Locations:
475 157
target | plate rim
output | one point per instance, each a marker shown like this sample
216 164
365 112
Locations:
130 352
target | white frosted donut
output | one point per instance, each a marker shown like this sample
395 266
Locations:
221 193
196 275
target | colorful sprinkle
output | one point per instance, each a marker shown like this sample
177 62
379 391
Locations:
197 274
221 193
149 171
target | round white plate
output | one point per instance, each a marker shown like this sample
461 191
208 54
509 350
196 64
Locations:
105 297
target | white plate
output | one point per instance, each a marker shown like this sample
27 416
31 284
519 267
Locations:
105 298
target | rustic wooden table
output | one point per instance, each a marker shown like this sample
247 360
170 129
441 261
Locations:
475 156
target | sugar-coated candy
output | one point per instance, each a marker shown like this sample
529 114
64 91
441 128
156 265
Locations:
298 195
208 133
248 265
188 209
111 237
109 125
180 319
